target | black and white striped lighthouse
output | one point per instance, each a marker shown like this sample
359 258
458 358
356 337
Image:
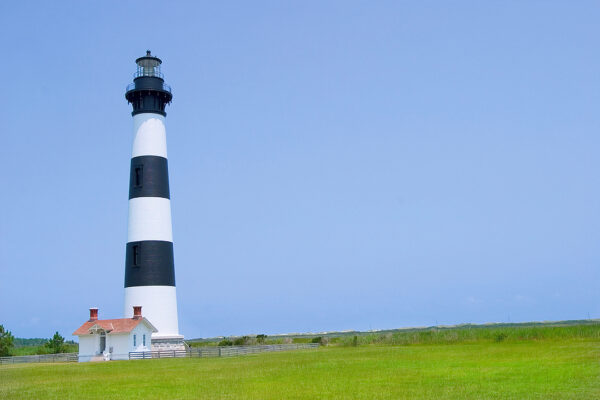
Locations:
149 267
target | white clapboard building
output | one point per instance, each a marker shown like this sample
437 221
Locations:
113 339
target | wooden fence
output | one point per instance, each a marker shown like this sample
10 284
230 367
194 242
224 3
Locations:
221 351
206 351
45 358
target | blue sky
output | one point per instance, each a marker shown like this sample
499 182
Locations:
333 165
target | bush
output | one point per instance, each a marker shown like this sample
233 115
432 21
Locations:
261 338
241 341
56 344
500 337
225 342
321 340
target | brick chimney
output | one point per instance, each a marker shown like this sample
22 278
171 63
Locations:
93 314
137 312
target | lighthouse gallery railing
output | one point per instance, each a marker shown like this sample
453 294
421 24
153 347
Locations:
165 87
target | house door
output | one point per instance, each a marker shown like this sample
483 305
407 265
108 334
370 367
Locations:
102 342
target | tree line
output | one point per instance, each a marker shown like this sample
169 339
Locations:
54 345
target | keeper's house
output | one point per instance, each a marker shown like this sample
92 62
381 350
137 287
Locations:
113 339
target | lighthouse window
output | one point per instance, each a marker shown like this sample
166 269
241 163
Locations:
139 174
136 255
134 341
144 340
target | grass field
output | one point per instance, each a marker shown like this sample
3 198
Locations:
563 368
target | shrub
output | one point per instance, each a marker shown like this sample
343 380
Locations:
225 342
56 344
322 340
241 341
500 337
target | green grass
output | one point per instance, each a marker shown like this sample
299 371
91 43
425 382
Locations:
557 368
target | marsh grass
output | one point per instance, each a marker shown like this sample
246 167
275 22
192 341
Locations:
474 334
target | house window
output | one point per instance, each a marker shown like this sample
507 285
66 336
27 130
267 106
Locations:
138 176
144 340
134 341
136 255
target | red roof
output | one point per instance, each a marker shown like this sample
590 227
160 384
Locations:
120 325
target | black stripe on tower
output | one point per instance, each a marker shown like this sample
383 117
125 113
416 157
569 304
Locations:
149 177
149 263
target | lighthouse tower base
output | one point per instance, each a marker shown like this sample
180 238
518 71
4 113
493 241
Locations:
160 308
168 343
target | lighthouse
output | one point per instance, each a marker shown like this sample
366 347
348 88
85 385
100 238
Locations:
149 265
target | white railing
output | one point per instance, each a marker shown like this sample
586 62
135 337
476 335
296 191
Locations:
165 87
220 351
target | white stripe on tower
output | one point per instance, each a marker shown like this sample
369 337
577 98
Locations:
149 135
149 219
149 266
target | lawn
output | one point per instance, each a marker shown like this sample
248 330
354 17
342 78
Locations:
534 369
